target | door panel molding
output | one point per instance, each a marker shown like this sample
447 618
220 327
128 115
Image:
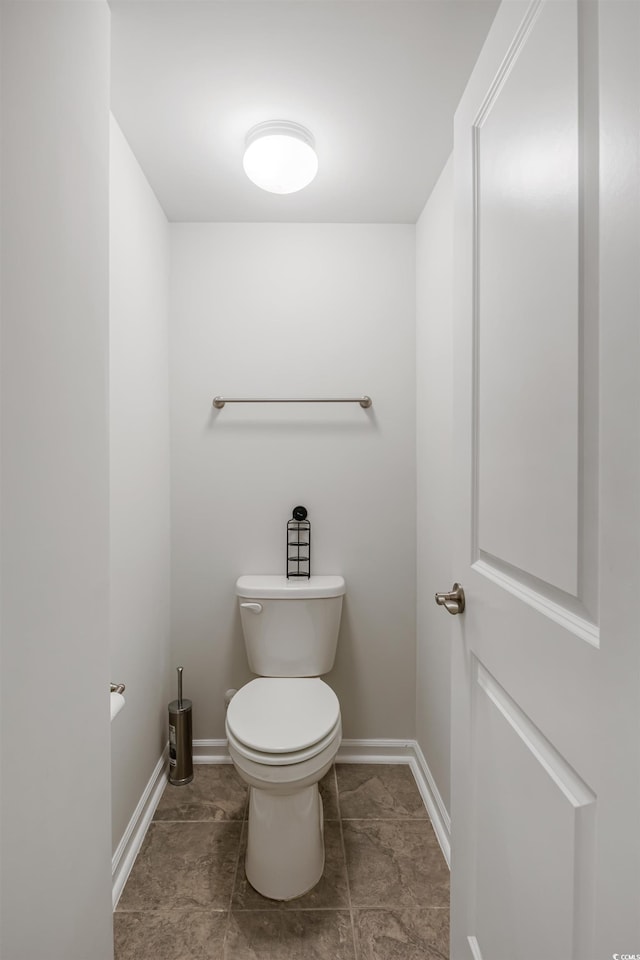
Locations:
577 792
483 111
526 304
560 840
576 610
560 607
507 64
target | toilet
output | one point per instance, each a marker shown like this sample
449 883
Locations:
284 728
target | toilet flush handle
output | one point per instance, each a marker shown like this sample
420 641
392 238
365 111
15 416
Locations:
253 607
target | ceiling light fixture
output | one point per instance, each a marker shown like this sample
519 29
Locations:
280 156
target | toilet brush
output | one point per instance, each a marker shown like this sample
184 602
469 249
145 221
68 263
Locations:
180 738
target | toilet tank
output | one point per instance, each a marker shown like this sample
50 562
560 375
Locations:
290 626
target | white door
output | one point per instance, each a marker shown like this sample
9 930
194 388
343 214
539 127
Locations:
546 656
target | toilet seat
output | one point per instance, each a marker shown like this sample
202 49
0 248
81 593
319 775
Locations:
283 759
282 720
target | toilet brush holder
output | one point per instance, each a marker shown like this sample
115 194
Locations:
180 738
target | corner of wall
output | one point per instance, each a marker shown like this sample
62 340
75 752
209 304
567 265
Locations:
434 395
139 477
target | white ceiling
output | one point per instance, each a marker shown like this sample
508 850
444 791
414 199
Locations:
376 82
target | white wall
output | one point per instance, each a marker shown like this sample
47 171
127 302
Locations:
56 832
284 310
139 477
434 390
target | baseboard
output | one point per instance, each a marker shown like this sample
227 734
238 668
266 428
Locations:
369 751
375 751
475 948
128 848
440 819
210 751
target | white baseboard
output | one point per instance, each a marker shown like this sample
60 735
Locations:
375 751
440 819
210 751
369 751
474 948
128 848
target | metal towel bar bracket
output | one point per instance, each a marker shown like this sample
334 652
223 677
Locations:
364 402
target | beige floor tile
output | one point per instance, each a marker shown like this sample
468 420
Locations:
290 935
378 791
215 793
419 933
183 865
177 935
394 863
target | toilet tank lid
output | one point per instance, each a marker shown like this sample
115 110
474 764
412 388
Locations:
264 587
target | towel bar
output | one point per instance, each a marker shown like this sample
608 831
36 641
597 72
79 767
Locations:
364 402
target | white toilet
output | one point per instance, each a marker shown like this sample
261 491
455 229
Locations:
284 728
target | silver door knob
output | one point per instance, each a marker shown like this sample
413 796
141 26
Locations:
454 601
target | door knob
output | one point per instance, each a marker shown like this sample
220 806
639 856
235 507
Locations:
454 601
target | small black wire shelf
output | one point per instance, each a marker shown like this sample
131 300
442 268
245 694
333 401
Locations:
299 545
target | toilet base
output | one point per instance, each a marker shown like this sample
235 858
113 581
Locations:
285 844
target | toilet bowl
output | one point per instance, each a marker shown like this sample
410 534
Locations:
283 735
284 728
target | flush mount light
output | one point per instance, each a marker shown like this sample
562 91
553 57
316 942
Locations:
279 156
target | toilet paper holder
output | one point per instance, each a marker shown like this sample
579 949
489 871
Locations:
118 688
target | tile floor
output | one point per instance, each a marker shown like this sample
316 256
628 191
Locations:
384 894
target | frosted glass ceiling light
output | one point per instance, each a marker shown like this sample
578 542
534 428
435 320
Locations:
279 156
